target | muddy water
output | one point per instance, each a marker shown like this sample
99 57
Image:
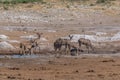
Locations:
19 60
26 56
19 56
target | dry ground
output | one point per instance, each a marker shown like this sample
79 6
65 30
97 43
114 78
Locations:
64 68
54 22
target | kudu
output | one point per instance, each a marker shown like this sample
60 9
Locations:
34 46
35 43
22 48
63 42
74 49
86 42
25 49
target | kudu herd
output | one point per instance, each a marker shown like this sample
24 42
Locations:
59 44
33 46
70 46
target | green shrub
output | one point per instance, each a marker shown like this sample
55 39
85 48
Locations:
100 1
19 1
103 1
5 7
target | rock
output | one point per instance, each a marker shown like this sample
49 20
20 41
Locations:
3 37
28 37
116 37
13 41
5 45
43 39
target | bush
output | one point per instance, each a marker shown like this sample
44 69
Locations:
100 1
103 1
19 1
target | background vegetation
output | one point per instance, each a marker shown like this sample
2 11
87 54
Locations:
18 1
104 1
42 1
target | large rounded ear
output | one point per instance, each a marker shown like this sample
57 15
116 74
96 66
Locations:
70 36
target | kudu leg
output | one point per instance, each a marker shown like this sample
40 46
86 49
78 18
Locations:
87 48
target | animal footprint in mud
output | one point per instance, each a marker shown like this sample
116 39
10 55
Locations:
110 60
101 75
11 77
113 74
36 79
14 68
19 74
116 65
51 62
90 70
76 71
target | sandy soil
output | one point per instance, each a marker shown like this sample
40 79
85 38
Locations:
63 68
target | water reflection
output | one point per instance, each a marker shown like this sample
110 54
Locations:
20 56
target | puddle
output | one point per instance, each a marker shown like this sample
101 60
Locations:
27 56
20 56
24 59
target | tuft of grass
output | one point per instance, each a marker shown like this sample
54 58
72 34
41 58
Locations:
19 1
68 6
103 1
100 1
5 7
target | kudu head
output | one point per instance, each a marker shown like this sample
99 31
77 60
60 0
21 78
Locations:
70 36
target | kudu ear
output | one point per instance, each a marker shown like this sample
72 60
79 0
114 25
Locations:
70 36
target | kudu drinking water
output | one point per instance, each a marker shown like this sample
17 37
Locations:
86 42
63 42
